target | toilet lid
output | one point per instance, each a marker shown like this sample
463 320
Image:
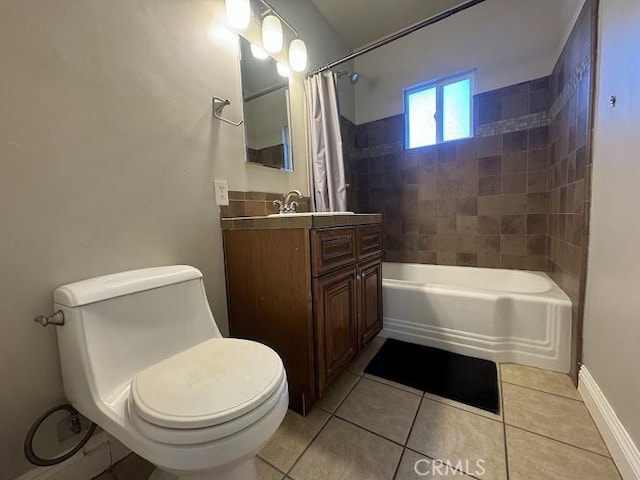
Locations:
211 383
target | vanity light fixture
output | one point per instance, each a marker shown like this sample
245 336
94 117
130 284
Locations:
258 52
272 34
283 69
238 13
298 55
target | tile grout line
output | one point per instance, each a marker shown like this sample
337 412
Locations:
544 391
504 429
271 465
499 420
288 473
406 447
374 379
347 395
395 473
369 431
429 457
559 441
331 415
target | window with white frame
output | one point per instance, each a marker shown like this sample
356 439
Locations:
438 111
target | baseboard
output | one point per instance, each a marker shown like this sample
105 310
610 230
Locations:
98 455
623 450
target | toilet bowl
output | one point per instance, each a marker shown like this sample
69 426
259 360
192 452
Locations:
142 357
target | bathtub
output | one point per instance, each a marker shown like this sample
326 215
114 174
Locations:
500 315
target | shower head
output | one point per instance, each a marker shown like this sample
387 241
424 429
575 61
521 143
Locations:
353 76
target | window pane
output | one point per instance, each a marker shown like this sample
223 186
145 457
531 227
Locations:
457 110
421 107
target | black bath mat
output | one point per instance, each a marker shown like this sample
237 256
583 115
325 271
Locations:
465 379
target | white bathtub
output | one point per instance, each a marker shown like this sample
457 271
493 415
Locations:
499 315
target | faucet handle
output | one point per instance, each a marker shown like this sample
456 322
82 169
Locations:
293 205
280 205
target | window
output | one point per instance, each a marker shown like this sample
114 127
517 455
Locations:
438 111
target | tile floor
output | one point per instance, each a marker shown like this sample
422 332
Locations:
366 428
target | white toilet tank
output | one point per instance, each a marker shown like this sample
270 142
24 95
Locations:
119 324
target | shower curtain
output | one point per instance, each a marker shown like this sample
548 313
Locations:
328 187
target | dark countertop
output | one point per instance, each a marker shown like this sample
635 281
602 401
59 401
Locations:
255 223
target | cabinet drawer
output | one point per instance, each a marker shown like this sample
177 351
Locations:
333 248
369 241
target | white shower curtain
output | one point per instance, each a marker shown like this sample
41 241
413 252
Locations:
328 187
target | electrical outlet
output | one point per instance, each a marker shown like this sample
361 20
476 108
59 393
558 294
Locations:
222 192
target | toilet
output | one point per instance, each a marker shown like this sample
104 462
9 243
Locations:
142 357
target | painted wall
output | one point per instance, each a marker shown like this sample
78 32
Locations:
108 151
612 321
507 41
324 43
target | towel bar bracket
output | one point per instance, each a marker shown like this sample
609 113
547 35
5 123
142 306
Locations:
218 107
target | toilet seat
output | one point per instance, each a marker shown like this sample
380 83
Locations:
210 384
183 436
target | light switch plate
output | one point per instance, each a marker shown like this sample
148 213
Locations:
221 188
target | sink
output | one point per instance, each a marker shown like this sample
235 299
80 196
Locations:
309 214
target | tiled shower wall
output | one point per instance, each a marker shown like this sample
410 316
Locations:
473 202
517 195
513 196
569 174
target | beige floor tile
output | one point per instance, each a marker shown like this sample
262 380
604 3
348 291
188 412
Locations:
266 471
414 466
337 392
377 342
532 457
293 436
406 388
459 437
133 467
360 363
384 410
538 379
345 452
559 418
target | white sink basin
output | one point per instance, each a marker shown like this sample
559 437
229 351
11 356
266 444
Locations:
310 214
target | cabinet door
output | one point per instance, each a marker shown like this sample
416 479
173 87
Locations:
370 308
336 323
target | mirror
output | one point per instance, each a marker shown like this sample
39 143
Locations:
265 97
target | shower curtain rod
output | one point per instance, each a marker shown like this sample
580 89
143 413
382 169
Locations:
396 36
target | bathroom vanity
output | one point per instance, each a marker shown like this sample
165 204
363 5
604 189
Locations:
310 287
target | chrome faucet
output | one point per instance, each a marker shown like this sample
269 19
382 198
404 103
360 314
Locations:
288 206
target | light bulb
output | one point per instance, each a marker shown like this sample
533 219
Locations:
297 55
272 35
238 13
283 69
258 52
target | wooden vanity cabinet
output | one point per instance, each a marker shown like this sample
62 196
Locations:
313 294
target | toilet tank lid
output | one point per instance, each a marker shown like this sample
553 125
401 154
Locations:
124 283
